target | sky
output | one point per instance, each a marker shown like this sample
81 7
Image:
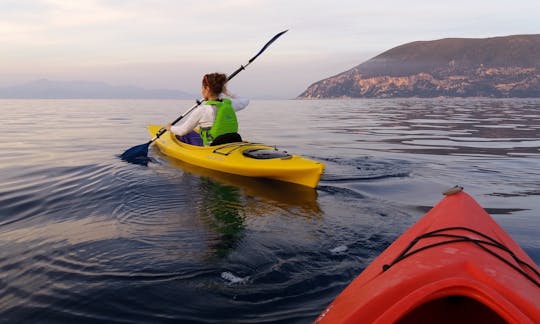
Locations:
171 44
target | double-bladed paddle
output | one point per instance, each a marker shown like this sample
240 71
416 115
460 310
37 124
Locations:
139 154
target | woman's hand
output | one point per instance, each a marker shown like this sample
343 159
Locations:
168 127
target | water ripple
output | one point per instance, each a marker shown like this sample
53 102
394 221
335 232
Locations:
364 168
88 238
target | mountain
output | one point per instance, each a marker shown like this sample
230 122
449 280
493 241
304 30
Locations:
47 89
453 67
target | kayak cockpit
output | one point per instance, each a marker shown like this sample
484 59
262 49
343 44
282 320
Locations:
452 309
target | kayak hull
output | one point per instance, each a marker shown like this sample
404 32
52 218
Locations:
230 158
454 265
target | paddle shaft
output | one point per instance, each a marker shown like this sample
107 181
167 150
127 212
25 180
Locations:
232 75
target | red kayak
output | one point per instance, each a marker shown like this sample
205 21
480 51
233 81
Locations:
455 265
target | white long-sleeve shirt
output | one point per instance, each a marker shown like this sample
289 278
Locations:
203 116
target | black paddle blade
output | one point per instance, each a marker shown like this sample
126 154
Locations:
267 44
137 154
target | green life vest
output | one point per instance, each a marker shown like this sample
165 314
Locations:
224 122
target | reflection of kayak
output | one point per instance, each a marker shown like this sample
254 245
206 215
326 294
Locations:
284 193
243 158
455 265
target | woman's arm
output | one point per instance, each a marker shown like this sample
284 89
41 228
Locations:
188 124
239 103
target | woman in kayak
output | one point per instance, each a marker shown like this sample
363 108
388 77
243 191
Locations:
214 122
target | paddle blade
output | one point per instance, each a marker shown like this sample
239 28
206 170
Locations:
137 154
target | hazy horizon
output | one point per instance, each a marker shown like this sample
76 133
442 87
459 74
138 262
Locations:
170 45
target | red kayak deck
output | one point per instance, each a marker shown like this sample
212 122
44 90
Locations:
455 265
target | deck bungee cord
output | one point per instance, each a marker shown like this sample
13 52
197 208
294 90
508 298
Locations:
455 238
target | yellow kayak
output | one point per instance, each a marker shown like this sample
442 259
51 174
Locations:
243 158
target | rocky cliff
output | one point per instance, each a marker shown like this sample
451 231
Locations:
453 67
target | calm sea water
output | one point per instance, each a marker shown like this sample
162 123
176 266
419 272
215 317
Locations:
87 237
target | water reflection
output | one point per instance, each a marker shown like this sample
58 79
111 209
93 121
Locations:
275 193
445 127
222 211
175 243
226 203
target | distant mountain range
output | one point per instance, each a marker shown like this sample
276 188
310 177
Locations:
47 89
452 67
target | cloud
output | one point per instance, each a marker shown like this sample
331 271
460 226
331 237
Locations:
66 37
